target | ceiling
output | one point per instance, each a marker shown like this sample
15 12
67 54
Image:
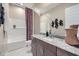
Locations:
40 8
44 7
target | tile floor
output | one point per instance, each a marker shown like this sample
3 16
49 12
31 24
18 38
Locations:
26 51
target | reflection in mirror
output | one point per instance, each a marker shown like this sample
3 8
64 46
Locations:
56 23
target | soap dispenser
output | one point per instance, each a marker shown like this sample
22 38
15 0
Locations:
47 34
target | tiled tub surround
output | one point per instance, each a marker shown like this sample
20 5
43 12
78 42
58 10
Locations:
60 43
19 49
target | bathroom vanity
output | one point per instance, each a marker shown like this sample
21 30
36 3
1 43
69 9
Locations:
52 46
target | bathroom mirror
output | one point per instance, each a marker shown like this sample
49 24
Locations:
44 23
55 24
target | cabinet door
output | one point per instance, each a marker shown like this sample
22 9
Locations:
34 47
61 52
49 53
40 48
49 50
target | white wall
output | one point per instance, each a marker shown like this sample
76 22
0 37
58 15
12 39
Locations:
72 16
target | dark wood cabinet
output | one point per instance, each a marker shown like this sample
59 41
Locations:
61 52
34 46
41 48
37 47
49 50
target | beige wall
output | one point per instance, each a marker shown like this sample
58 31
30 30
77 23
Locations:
16 12
36 23
58 12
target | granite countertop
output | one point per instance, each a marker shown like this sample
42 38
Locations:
58 42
